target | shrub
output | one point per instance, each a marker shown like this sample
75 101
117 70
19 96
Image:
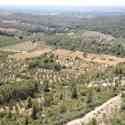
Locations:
62 108
29 102
35 110
91 98
48 99
17 90
46 62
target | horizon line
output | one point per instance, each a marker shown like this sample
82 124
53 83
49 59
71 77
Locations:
64 5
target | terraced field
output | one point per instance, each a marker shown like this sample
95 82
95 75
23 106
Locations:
65 68
65 54
81 82
52 86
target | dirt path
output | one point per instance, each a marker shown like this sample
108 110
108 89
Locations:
102 114
62 53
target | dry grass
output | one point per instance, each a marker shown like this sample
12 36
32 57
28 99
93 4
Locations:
67 54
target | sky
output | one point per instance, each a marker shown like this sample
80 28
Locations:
65 2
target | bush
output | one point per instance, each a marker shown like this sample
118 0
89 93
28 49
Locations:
35 110
46 62
91 98
74 92
17 90
62 108
29 102
48 99
119 69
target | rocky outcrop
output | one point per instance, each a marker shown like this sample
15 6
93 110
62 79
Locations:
96 36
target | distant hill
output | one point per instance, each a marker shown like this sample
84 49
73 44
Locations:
88 41
84 9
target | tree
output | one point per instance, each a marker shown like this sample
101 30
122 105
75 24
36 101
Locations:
94 122
62 107
9 114
91 98
26 120
48 99
29 102
20 37
35 110
45 86
74 92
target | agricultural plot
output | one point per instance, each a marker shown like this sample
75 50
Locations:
57 87
58 67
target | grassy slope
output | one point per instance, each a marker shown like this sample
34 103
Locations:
7 40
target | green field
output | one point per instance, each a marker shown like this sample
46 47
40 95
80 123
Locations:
7 40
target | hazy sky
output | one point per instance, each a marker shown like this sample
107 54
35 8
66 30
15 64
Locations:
65 2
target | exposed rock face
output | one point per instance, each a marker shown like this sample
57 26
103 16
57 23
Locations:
102 114
92 36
